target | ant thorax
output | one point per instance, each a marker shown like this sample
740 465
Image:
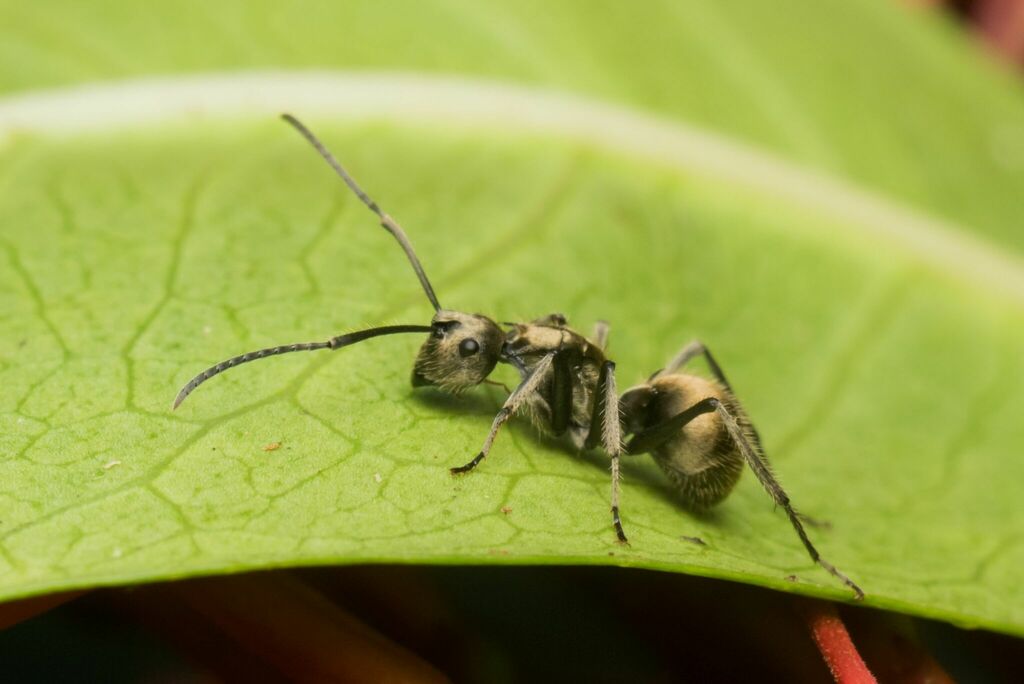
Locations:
580 359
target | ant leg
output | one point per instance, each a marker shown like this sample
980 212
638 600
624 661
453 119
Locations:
488 381
561 391
514 401
609 434
611 439
653 436
597 415
601 330
555 320
686 354
697 348
649 439
814 522
755 459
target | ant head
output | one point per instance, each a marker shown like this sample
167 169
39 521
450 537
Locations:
461 351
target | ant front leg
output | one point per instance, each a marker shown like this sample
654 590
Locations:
529 385
606 428
495 383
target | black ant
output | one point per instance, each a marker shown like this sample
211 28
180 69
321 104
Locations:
694 427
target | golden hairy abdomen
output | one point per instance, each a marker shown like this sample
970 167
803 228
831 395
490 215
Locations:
701 460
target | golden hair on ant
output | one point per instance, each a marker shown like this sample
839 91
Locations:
693 427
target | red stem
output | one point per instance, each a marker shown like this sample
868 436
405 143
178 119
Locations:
835 644
1002 24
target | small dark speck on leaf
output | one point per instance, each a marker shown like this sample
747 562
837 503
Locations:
273 446
506 509
694 540
791 578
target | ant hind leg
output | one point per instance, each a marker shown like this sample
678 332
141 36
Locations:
764 475
697 348
687 353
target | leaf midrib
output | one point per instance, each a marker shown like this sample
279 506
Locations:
417 99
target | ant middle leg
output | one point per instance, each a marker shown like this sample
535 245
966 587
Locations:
606 429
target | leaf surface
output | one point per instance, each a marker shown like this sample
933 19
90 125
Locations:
880 360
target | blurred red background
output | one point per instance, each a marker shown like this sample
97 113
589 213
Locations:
999 23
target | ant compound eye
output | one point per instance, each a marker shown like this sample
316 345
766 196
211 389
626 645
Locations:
468 347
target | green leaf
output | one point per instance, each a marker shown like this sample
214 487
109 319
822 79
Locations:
849 248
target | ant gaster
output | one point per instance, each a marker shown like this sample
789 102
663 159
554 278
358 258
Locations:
694 428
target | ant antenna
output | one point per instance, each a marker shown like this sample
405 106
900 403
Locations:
333 343
386 221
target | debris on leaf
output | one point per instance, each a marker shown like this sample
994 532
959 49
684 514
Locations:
111 464
506 509
273 446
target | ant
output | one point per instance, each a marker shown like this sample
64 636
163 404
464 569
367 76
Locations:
694 428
